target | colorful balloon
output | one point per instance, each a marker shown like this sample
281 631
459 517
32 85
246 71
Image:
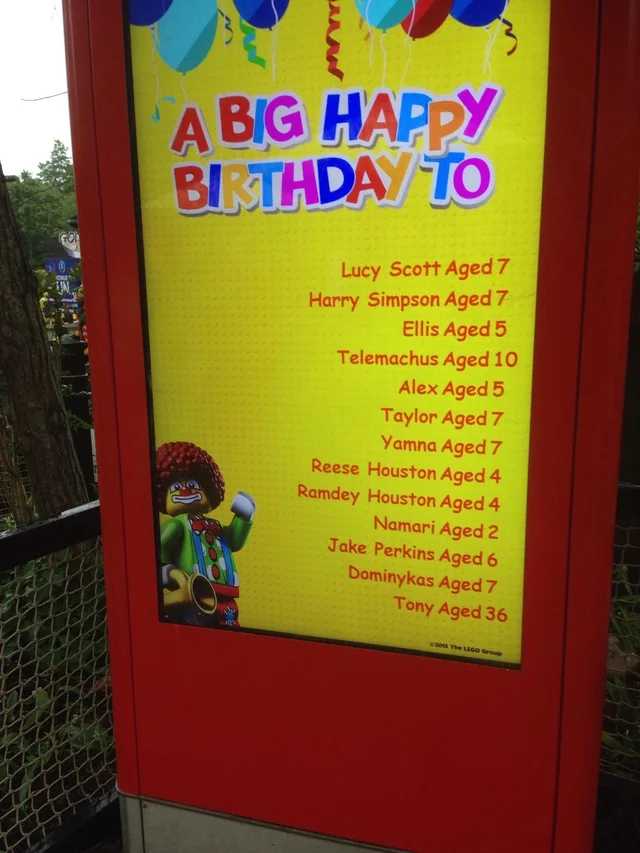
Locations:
477 13
263 14
427 18
186 32
385 13
143 13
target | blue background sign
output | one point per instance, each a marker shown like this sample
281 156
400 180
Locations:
62 269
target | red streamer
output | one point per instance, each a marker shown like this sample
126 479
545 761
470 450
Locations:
333 46
509 33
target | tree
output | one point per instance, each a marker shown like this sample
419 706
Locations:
43 205
36 407
57 171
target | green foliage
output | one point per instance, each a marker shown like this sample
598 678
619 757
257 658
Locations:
57 171
56 740
51 304
621 734
44 204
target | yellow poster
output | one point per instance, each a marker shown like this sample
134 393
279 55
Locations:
340 209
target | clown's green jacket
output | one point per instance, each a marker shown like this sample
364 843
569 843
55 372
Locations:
208 551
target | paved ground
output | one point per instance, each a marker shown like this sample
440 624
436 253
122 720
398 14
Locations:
617 830
101 835
618 826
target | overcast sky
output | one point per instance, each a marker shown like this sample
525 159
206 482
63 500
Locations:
32 65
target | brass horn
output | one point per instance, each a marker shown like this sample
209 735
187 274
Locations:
203 594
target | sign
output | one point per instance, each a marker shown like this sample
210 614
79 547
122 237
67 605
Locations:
341 258
242 365
66 282
70 242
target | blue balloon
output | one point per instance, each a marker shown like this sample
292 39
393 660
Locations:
263 14
384 13
143 13
477 13
185 34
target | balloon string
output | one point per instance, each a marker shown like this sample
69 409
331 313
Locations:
488 51
248 43
410 41
333 46
227 27
366 13
276 16
407 63
274 39
413 15
274 52
384 59
369 34
509 33
183 88
155 116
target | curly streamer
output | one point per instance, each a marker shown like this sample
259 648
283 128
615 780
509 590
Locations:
333 46
227 27
248 43
509 33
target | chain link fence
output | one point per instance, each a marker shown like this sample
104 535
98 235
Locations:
621 731
57 760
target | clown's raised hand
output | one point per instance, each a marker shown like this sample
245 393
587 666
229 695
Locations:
244 506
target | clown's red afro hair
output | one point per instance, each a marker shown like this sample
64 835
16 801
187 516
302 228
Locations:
182 460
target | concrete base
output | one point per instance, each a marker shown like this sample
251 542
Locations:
153 827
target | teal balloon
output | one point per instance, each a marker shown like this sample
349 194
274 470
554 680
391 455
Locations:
185 33
384 14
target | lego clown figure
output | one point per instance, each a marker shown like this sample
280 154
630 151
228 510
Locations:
199 579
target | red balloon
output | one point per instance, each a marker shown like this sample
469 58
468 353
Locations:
428 16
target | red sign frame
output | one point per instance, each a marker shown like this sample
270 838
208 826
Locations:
324 735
